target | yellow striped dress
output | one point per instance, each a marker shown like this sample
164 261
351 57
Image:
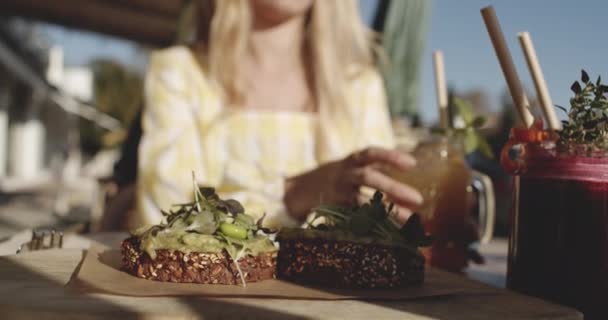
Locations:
245 155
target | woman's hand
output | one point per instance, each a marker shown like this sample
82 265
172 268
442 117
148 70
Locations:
338 182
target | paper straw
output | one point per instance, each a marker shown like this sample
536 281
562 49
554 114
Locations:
441 89
507 66
539 81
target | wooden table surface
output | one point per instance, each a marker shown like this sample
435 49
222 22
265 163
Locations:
32 286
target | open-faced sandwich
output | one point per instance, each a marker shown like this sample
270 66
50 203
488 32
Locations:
354 247
209 241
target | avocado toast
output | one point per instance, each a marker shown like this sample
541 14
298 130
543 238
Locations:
209 241
358 247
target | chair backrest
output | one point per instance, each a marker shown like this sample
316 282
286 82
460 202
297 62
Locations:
125 169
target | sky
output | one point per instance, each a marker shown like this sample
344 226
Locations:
80 47
568 36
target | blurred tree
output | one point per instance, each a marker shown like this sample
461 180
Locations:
118 93
403 25
187 23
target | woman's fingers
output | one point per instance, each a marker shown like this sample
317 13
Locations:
402 214
401 194
374 155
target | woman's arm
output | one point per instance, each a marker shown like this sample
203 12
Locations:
338 182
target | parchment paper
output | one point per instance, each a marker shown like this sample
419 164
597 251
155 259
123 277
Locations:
100 272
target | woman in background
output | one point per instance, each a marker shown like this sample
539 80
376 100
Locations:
279 106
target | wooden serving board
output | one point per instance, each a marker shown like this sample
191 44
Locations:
33 286
100 272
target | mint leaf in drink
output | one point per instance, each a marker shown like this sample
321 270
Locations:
471 138
465 111
478 122
484 147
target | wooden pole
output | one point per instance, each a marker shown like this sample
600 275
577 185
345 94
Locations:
539 81
168 8
100 16
441 89
508 67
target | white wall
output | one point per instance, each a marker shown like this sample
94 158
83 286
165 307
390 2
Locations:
3 134
26 148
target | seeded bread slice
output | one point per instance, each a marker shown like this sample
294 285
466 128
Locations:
347 264
195 267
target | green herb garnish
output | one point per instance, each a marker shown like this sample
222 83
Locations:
469 133
371 220
587 124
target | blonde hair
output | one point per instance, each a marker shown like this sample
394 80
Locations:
337 46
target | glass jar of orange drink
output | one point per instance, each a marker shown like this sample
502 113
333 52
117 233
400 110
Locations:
450 189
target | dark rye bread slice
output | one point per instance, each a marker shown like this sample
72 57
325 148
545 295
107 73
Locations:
347 264
195 267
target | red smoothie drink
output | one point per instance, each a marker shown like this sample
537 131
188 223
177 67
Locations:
559 237
558 247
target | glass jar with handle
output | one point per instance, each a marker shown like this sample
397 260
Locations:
451 190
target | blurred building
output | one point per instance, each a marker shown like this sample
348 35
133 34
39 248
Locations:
42 103
24 59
